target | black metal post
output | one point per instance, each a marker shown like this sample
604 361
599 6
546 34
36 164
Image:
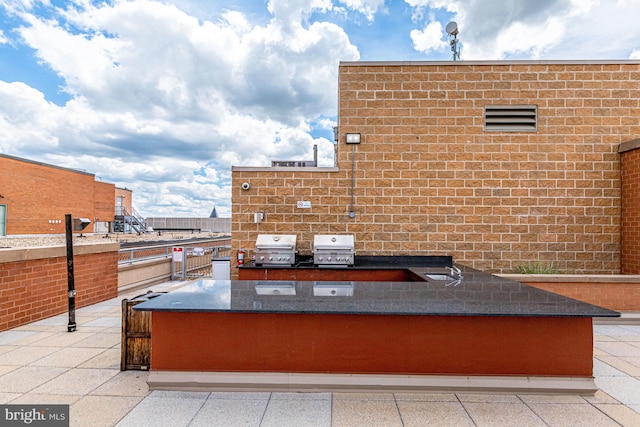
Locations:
70 277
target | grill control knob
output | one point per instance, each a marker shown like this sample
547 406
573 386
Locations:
261 258
270 258
319 258
328 258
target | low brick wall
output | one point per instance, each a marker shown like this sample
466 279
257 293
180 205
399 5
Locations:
33 281
615 292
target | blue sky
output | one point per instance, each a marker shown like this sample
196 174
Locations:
163 98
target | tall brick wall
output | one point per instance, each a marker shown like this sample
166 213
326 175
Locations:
428 179
38 196
33 282
630 236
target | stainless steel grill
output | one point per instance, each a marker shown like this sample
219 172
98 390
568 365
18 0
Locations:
276 249
333 249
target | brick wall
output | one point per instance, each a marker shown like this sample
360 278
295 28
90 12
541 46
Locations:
615 292
630 236
38 196
428 179
33 282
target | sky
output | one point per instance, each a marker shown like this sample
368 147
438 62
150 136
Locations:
163 98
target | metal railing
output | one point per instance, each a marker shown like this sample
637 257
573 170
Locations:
197 261
164 250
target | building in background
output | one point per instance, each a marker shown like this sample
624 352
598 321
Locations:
35 197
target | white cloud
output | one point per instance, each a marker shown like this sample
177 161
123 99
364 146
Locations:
158 107
366 7
26 117
552 29
429 39
635 54
3 38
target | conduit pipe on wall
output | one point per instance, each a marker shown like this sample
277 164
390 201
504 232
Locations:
352 213
353 139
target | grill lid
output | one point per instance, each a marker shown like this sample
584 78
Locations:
276 241
333 242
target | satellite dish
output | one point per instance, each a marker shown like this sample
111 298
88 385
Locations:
452 28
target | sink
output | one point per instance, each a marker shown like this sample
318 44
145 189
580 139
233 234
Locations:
434 276
448 276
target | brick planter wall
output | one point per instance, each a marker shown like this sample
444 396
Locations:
33 281
615 292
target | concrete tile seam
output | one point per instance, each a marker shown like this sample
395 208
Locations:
585 402
466 411
264 413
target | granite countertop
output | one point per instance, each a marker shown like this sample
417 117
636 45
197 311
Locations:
375 262
475 294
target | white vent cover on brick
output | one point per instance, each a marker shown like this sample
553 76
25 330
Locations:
511 118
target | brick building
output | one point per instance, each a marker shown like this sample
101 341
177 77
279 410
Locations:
495 163
35 197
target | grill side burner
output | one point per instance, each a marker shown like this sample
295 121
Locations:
276 249
334 250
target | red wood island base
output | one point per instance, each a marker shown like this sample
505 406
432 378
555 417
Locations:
372 344
482 333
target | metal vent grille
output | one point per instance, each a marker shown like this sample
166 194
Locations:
511 118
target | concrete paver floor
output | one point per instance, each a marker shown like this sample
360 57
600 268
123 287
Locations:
41 363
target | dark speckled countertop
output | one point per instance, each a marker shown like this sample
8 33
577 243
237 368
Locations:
475 294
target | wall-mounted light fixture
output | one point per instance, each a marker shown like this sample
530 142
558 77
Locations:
353 138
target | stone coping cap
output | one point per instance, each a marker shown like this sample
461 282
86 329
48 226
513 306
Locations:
32 253
492 62
282 169
629 145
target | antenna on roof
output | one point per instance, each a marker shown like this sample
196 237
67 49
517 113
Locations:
452 30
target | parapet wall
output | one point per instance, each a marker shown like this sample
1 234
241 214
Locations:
33 281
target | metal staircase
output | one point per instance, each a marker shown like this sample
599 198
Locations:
129 222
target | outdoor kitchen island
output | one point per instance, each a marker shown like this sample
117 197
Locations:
445 327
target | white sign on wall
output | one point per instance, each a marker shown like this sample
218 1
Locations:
304 204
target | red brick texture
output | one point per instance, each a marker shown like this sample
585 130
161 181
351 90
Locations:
35 289
38 197
126 195
630 244
614 296
429 180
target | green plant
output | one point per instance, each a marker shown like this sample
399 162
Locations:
536 268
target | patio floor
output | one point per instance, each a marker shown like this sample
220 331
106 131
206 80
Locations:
41 363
